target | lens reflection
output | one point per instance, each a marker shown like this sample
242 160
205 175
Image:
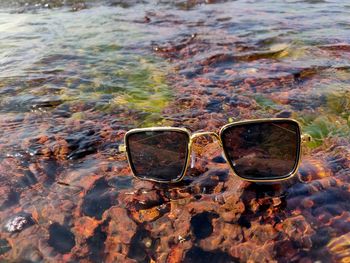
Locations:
158 155
263 151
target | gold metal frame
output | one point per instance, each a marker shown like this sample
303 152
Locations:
303 138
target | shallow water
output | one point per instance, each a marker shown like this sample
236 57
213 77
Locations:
76 75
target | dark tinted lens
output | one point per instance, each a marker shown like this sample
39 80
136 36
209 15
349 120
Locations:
265 150
158 155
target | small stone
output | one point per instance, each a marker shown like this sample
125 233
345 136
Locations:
147 242
146 215
18 223
276 201
61 238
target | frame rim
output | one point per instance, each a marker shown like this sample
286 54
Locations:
176 129
265 120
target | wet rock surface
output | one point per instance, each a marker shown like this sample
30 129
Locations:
201 225
61 239
67 192
196 254
98 199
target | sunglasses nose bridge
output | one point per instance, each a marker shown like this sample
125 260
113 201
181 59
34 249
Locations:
211 134
200 134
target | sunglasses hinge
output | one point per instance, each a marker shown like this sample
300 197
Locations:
122 148
305 138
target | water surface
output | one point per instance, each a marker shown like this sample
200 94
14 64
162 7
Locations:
75 76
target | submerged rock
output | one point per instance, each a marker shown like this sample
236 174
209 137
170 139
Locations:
61 238
4 246
201 224
19 222
98 199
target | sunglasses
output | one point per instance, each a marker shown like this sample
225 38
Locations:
264 150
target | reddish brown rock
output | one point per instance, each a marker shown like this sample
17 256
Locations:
120 231
299 230
145 215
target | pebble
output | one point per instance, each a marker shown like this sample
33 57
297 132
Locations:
18 223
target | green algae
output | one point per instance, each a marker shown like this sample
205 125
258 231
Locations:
143 89
325 126
147 88
103 66
140 87
333 120
332 117
339 103
266 103
78 115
